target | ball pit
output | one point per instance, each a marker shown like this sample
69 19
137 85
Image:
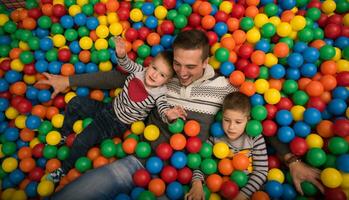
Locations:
290 57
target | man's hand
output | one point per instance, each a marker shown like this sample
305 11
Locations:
58 82
302 172
196 192
120 47
175 112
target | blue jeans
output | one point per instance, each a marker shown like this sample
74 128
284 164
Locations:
102 183
105 125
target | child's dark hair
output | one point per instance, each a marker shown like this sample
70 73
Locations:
237 101
192 40
167 55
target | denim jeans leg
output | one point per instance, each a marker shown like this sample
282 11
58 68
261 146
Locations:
80 108
102 183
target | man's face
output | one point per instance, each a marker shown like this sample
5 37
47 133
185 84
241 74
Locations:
188 65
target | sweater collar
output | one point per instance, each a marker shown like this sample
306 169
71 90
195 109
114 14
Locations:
208 74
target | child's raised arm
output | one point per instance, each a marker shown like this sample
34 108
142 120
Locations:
120 47
122 59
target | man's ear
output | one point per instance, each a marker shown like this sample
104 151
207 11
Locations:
206 62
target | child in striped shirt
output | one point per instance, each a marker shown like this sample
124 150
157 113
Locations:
236 113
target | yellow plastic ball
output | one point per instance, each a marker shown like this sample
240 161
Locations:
77 126
226 6
294 9
160 12
328 6
9 164
214 62
345 182
7 193
3 19
342 65
103 20
283 29
105 66
101 44
221 150
57 120
34 142
19 195
112 17
45 188
275 20
293 35
74 10
151 132
53 138
253 35
69 96
338 54
117 91
276 174
272 96
81 2
58 2
102 31
270 60
11 113
260 19
136 15
297 112
17 65
261 86
314 141
23 45
58 40
137 127
298 22
346 19
85 43
214 196
331 177
29 79
20 121
115 28
214 47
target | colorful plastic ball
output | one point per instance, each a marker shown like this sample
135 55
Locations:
285 134
272 96
168 174
220 28
208 166
137 127
216 129
33 122
327 52
226 68
151 132
44 22
176 126
338 145
143 150
337 106
9 164
136 191
83 164
136 15
331 177
253 128
312 116
284 117
229 189
174 191
316 157
239 177
268 30
295 60
274 189
221 150
31 189
53 138
141 178
154 165
298 146
178 160
222 54
246 23
342 163
259 112
45 188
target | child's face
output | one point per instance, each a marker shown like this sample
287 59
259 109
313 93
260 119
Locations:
158 73
234 123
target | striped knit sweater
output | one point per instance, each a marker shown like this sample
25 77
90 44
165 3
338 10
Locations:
255 149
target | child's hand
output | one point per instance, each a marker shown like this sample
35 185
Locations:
241 196
175 112
120 47
196 192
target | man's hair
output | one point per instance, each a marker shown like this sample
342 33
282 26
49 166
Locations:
192 40
167 55
237 101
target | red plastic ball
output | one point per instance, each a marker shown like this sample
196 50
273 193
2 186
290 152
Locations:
221 16
54 19
333 31
229 189
168 174
273 162
36 174
322 21
29 69
194 20
24 106
141 178
167 27
271 109
193 144
46 1
132 55
284 104
70 139
5 95
164 151
34 13
238 11
100 8
143 32
59 10
212 37
251 70
59 102
334 194
123 13
37 151
314 4
343 79
147 61
316 102
335 19
298 146
16 100
245 51
341 127
131 34
269 127
64 55
5 65
184 175
241 64
169 4
345 31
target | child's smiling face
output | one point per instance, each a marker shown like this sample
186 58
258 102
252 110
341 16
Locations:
234 123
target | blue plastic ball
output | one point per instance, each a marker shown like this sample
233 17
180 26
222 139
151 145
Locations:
216 129
301 129
41 66
80 19
3 85
4 104
308 70
136 192
340 92
32 122
287 4
226 68
55 67
92 23
151 22
67 21
326 114
137 25
166 41
337 106
91 67
277 71
74 47
156 49
312 116
263 45
293 74
20 143
289 192
31 189
342 163
39 55
79 67
175 191
148 8
311 55
12 76
299 47
285 134
284 117
341 42
41 162
83 91
16 176
295 60
274 189
31 93
122 196
11 134
220 28
154 165
3 126
7 183
44 96
178 160
256 100
46 44
41 33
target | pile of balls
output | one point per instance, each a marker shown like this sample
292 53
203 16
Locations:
291 57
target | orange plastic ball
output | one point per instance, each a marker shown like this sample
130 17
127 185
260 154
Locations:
178 141
93 153
18 88
303 82
24 152
281 50
237 78
157 186
328 67
67 69
258 57
153 39
260 195
329 82
192 128
225 167
100 161
52 165
325 129
314 89
240 161
248 88
97 95
129 145
214 182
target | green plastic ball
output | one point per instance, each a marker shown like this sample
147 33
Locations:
309 189
222 54
271 9
180 21
176 126
185 9
208 166
137 4
338 145
306 35
206 150
10 27
301 3
8 148
345 53
103 55
316 157
246 23
134 136
83 164
4 50
194 161
83 31
87 9
290 87
44 22
71 35
86 122
51 55
74 59
327 52
108 149
42 137
268 30
146 195
29 4
143 150
239 177
63 152
330 161
94 57
171 14
57 29
34 43
289 41
45 127
120 153
215 2
219 116
254 128
69 3
318 34
342 6
300 98
263 72
313 13
2 174
143 51
50 151
26 57
259 113
207 192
